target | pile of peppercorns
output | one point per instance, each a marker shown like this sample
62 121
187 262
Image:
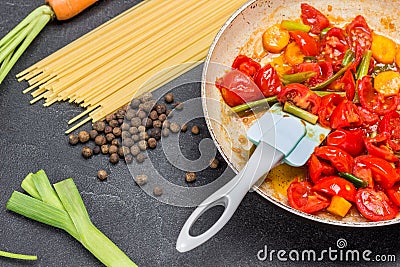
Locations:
105 134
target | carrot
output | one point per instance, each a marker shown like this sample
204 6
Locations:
275 39
387 83
397 58
293 54
383 49
66 9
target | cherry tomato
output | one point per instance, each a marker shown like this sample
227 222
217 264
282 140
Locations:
361 171
394 194
322 68
328 104
340 159
390 124
301 96
381 151
268 81
359 33
345 115
374 101
382 171
237 88
301 197
246 65
314 18
375 205
350 141
334 46
317 168
308 45
336 186
369 118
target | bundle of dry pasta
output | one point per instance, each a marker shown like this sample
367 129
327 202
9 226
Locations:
102 70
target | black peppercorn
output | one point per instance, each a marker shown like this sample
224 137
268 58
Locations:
133 130
214 163
108 129
178 105
153 115
93 134
136 122
169 98
195 129
100 140
121 152
110 137
162 117
113 123
141 115
113 149
174 127
152 142
130 114
125 126
116 142
102 175
120 114
83 136
135 150
73 139
147 122
141 179
99 126
104 149
110 117
87 152
155 133
184 128
129 159
135 103
190 177
128 142
140 158
114 158
157 191
117 131
157 124
161 108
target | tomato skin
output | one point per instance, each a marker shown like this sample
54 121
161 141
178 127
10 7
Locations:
350 141
394 194
359 33
368 118
323 69
328 104
381 151
345 115
317 168
390 124
339 158
375 205
314 18
301 197
372 100
308 45
301 96
246 65
267 79
334 46
336 186
237 88
383 172
361 171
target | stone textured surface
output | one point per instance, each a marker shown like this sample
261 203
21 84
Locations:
32 137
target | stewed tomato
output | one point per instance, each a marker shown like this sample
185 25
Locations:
375 205
246 65
301 96
313 17
336 186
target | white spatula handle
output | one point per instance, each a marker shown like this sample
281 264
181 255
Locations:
264 158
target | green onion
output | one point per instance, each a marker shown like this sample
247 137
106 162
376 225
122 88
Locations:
362 69
265 102
301 113
13 44
348 58
291 25
324 31
297 77
353 179
64 208
333 78
17 256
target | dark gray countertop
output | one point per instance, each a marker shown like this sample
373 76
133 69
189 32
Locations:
32 137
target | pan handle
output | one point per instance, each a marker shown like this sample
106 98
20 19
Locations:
264 158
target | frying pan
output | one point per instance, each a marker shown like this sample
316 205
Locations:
242 34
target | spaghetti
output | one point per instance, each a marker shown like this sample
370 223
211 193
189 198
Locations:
104 69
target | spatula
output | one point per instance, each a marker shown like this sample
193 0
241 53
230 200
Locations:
280 137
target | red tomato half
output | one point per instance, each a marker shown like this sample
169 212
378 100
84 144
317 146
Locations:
336 186
345 115
267 79
328 104
359 33
390 124
374 101
237 88
246 65
314 18
379 150
394 194
382 171
350 141
361 171
308 45
302 198
317 168
334 46
375 205
339 158
301 96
